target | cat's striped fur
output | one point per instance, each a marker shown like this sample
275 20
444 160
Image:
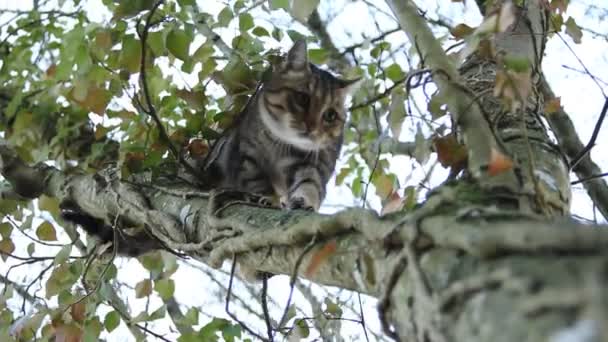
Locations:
286 141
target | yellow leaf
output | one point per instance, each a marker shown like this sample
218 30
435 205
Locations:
46 232
553 105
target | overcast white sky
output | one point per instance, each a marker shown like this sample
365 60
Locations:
579 95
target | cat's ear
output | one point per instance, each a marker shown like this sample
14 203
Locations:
297 57
349 87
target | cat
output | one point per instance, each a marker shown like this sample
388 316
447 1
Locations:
286 141
283 145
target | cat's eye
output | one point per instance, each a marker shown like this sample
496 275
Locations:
330 116
302 99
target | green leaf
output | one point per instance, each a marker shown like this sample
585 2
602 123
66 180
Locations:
302 328
5 230
332 309
63 254
318 56
191 317
278 4
46 232
260 31
158 313
31 248
573 30
225 17
130 54
301 9
230 332
111 321
516 63
394 72
178 43
62 278
245 22
186 2
397 112
165 288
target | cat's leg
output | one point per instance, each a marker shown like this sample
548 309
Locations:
306 189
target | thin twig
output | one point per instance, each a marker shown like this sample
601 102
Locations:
265 307
227 306
596 131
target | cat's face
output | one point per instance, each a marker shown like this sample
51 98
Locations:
303 105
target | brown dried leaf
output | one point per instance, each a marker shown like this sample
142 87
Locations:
499 163
450 153
394 204
320 256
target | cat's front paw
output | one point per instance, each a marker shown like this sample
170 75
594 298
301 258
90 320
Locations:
298 203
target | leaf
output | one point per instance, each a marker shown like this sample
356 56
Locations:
111 321
196 99
62 278
393 204
345 171
78 311
245 22
303 330
46 232
320 257
318 56
573 30
513 88
260 31
384 185
422 151
68 333
5 230
130 54
6 247
499 163
461 30
332 309
165 288
278 4
225 16
103 39
397 112
516 63
437 105
394 72
143 288
553 105
186 2
301 9
198 148
178 43
95 100
63 254
450 153
49 204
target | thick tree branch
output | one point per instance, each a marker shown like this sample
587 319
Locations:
571 145
478 136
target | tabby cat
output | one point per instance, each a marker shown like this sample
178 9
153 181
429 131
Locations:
286 141
284 145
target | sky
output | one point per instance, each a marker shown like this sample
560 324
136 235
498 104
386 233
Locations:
580 96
